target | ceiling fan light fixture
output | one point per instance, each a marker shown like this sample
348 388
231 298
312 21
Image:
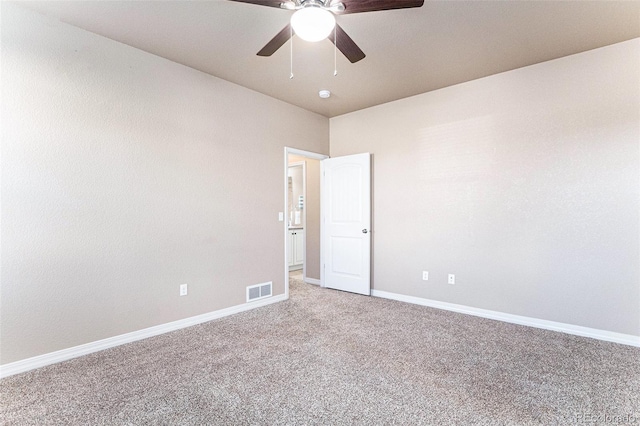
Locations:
313 23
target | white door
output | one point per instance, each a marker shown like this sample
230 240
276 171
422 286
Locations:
346 223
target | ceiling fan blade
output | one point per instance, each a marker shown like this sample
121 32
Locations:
276 42
357 6
346 45
270 3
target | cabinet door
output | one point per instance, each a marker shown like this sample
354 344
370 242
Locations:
298 247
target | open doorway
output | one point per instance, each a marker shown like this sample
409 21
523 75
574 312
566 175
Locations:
302 217
296 216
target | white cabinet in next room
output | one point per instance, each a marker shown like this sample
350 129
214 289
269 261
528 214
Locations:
296 249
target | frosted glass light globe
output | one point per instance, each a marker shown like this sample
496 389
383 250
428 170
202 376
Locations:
313 23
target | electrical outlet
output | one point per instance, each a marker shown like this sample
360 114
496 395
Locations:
452 279
183 289
425 275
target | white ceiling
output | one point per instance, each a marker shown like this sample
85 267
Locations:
409 51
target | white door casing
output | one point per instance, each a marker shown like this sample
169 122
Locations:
346 223
290 242
315 156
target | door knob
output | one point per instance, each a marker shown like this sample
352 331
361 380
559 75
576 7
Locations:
364 231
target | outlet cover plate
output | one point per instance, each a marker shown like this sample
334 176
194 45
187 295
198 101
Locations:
425 275
183 290
452 279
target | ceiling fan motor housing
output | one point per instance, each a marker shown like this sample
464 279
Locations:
301 4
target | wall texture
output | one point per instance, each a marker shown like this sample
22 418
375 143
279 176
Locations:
526 185
125 175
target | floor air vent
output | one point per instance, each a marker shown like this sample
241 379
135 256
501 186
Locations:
258 291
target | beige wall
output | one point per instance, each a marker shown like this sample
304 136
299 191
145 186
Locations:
312 206
526 185
125 175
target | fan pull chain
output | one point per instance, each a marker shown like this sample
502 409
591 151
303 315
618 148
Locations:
291 53
335 50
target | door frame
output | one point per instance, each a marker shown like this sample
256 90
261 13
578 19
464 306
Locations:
285 227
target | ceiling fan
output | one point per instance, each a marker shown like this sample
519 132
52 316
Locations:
314 20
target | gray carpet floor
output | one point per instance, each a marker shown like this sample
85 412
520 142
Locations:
334 358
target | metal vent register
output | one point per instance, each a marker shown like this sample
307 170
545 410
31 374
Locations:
258 291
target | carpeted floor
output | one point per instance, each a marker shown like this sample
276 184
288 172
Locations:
328 357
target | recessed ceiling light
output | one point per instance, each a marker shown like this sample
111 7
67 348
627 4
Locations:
324 94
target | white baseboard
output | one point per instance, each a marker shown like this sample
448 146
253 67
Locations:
609 336
312 281
76 351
